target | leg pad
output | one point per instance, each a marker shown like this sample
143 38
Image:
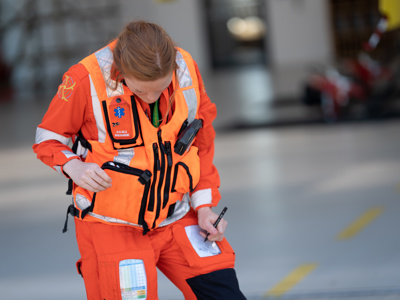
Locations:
217 285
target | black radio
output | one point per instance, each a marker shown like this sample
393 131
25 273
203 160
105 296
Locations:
187 135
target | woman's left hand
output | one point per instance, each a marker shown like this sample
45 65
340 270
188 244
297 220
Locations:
207 218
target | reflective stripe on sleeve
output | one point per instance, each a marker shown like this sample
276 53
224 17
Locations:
191 101
201 197
105 60
184 78
98 114
58 169
68 154
43 135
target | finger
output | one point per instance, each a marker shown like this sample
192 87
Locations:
203 234
216 238
103 175
100 181
222 226
92 185
88 186
211 229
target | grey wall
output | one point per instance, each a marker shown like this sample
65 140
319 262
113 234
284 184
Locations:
299 32
182 19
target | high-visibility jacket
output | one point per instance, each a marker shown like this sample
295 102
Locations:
152 185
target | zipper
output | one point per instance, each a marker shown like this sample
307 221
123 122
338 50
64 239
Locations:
162 174
155 169
168 174
142 211
118 167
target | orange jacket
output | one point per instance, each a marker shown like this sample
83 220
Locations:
73 110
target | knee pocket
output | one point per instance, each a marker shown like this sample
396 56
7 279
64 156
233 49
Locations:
217 285
127 276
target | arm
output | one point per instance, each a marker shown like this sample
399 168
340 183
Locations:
206 193
66 115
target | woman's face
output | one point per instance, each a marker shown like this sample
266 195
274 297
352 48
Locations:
148 91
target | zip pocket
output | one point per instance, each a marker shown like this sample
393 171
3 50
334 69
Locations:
126 199
186 172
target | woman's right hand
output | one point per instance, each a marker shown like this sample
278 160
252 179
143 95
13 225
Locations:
87 175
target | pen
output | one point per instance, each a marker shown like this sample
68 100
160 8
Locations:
217 222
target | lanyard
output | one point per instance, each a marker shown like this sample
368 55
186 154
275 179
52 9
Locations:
155 120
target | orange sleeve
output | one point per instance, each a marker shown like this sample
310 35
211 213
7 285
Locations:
65 116
208 185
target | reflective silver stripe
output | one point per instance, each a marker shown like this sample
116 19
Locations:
112 220
191 101
201 197
125 156
181 209
98 114
105 61
58 169
82 203
68 154
184 78
43 135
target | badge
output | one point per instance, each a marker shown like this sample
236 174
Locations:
121 119
66 88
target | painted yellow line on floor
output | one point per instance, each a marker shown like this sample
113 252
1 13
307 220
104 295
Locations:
359 224
291 280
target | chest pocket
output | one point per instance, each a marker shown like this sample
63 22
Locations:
127 198
123 124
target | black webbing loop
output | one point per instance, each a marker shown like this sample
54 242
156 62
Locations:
145 228
73 212
89 208
84 142
171 210
70 186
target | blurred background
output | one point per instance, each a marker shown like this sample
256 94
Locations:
308 98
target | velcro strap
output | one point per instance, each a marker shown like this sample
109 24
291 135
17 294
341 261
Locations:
72 210
70 186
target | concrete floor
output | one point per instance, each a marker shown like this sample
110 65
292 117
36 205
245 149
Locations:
313 209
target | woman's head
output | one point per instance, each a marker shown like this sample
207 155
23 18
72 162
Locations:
144 51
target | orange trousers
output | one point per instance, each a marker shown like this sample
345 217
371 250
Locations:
119 261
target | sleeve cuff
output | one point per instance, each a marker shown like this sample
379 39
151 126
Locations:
60 169
201 198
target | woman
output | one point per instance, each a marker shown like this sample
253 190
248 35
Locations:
143 188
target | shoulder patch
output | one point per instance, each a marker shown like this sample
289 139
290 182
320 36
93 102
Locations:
66 88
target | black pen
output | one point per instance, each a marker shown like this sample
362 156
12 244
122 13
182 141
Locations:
217 222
